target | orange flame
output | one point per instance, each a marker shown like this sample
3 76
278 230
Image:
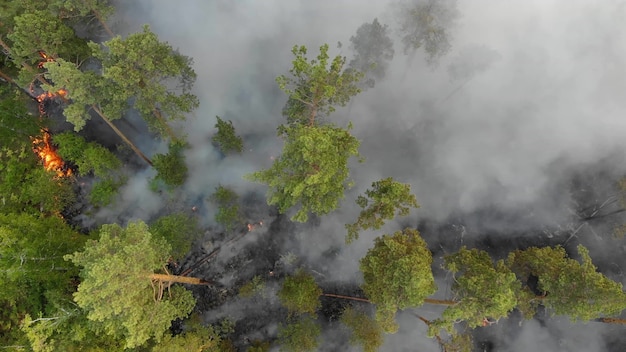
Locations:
48 155
41 98
45 58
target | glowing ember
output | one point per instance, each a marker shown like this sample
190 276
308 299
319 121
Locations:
45 58
41 98
252 227
48 155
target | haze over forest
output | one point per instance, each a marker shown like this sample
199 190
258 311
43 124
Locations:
512 137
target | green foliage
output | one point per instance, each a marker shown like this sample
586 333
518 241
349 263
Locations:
228 213
366 332
84 89
171 167
67 329
226 138
299 336
300 293
397 274
312 170
152 73
259 346
92 159
458 343
387 199
427 24
104 191
373 50
24 184
42 31
253 287
26 187
116 290
32 270
16 124
483 290
570 287
179 230
195 338
316 85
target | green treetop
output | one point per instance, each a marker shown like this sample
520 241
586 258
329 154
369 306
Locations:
92 158
299 336
427 24
41 32
386 199
226 138
312 170
151 72
179 230
171 167
397 274
228 212
314 87
569 287
117 287
483 290
300 293
373 49
366 332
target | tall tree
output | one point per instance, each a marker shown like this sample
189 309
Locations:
85 91
314 87
312 170
397 274
153 74
568 286
373 50
120 288
386 199
427 24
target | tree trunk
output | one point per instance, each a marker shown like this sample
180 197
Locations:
167 127
347 297
441 302
178 279
612 321
121 135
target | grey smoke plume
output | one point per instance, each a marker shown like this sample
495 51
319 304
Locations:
531 93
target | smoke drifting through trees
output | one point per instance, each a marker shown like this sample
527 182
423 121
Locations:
505 140
490 146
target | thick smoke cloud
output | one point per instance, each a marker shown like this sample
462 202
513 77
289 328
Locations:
530 95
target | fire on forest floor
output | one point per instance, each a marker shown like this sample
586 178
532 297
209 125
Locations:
45 150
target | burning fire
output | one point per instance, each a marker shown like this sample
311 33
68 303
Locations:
41 98
45 58
254 226
48 155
